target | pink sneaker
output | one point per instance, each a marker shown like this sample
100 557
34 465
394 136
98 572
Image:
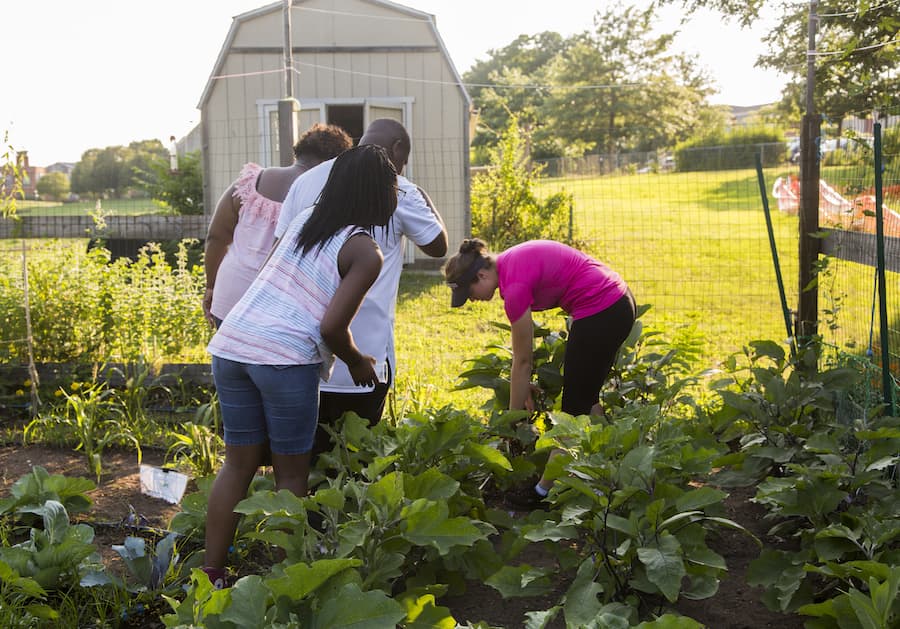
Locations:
217 576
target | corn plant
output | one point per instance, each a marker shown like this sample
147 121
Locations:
89 421
198 444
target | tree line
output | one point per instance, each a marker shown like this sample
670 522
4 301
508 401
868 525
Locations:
615 87
619 87
141 169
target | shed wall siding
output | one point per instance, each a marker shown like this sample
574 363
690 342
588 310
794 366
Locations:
438 122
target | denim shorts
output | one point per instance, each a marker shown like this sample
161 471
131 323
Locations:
278 404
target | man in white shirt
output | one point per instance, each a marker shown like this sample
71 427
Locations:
373 328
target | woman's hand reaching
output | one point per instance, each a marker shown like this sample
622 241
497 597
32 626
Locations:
534 393
207 305
363 371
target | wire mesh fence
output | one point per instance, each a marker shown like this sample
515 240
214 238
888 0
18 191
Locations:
693 244
690 238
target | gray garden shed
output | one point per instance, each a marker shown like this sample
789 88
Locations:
353 61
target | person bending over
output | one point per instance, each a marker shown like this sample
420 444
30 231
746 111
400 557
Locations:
540 275
272 347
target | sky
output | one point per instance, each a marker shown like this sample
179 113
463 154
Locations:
97 73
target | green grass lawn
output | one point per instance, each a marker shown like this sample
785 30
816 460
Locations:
694 246
117 207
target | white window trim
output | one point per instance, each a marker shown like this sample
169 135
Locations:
263 109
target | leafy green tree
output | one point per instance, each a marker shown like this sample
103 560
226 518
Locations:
857 60
595 90
111 170
82 175
618 77
142 154
512 79
182 190
505 209
53 186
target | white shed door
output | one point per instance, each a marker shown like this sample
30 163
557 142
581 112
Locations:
308 117
399 111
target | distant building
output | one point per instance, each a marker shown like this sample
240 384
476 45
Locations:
29 174
65 168
356 60
744 115
866 126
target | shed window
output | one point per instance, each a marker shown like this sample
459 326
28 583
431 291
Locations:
348 117
353 115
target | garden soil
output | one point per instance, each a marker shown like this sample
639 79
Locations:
118 502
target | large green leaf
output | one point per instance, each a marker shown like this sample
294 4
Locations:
352 608
701 586
540 620
300 579
377 467
699 498
671 621
249 601
866 614
329 497
423 613
387 492
778 572
552 531
28 586
637 466
431 485
427 524
884 432
665 568
514 581
489 455
283 503
703 556
133 553
582 603
56 519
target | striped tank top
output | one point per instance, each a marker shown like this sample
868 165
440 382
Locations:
276 322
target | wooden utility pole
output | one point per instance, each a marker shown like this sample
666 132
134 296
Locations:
287 106
808 303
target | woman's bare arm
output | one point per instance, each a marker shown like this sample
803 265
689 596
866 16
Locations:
359 262
520 373
219 237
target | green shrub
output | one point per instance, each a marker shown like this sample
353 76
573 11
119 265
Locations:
85 308
728 150
505 209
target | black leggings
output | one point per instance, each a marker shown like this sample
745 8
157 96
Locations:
332 406
591 352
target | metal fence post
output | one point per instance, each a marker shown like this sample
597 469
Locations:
886 380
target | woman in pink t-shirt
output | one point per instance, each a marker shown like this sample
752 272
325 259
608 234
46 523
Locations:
540 275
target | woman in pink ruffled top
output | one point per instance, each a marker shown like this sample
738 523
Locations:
242 229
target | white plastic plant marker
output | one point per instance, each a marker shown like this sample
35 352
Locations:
160 483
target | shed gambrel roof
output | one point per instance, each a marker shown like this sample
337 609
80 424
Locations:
279 6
